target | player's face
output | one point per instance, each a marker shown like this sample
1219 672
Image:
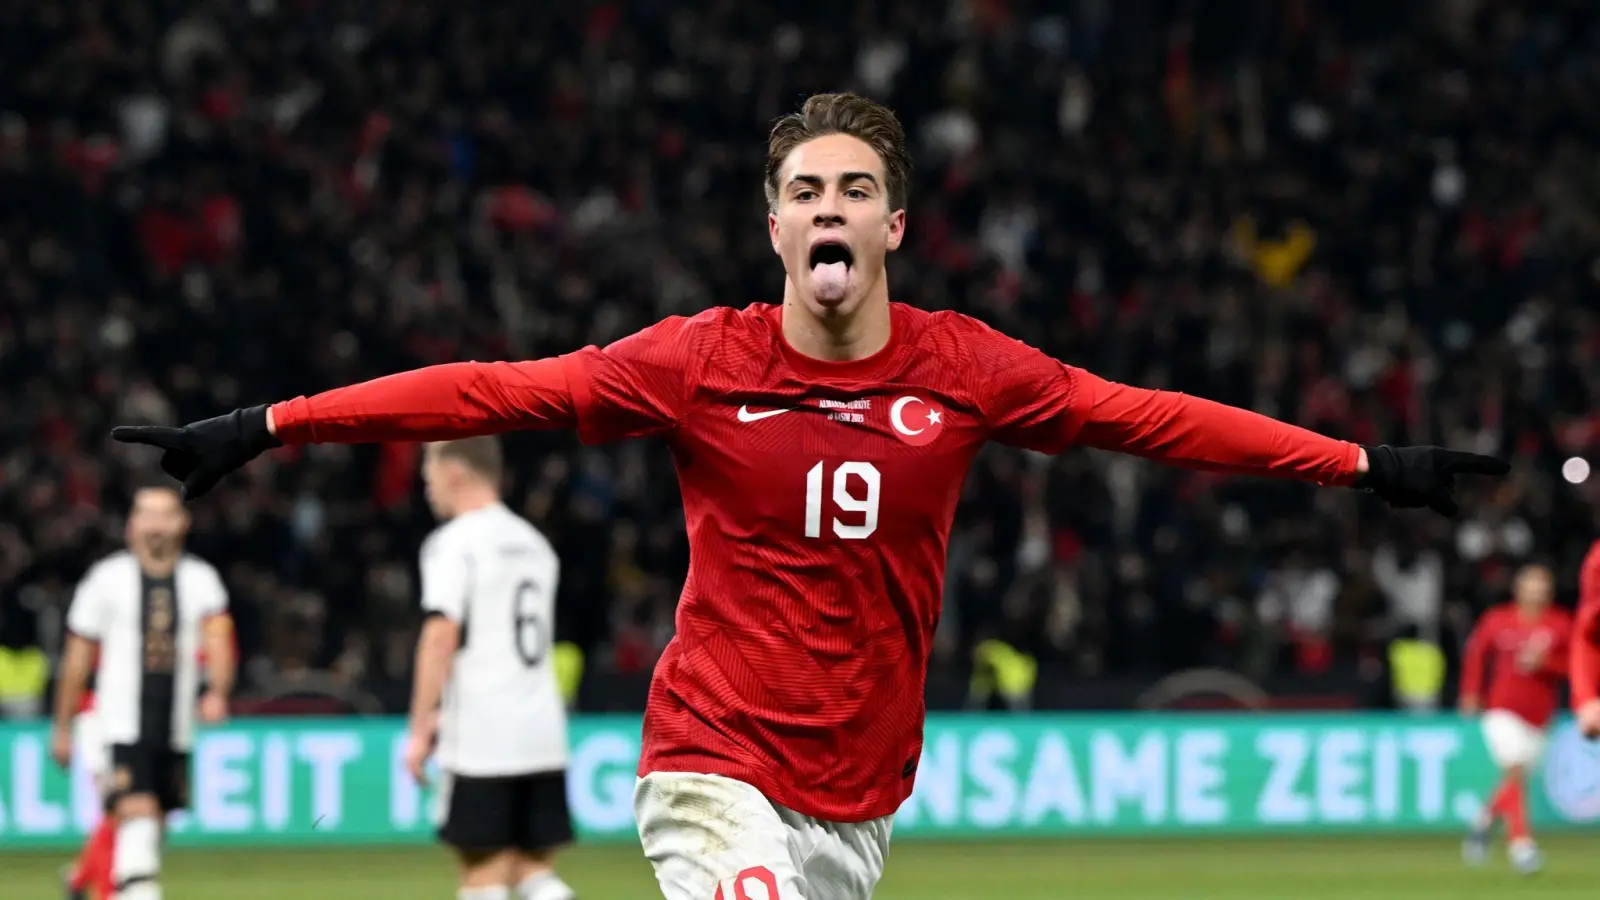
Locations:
833 225
1534 589
157 523
436 484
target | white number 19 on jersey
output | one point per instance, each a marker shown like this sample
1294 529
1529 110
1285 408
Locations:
844 498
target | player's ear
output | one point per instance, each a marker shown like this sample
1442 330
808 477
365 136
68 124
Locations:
772 230
897 229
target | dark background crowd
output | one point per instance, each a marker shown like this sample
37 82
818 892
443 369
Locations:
1375 219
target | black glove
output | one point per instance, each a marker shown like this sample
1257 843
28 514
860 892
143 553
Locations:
1409 477
201 453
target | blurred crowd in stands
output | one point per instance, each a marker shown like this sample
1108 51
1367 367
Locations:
1376 219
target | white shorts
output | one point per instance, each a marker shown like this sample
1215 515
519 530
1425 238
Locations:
714 838
1511 739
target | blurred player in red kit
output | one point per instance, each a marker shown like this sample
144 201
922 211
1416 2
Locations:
1585 654
1522 648
820 446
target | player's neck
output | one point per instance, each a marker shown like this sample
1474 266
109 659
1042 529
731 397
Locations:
157 566
471 501
837 340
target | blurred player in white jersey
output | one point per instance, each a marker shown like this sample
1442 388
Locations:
147 612
485 696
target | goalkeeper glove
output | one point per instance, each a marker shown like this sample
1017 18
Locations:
199 454
1411 477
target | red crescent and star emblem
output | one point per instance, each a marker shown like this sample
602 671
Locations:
915 420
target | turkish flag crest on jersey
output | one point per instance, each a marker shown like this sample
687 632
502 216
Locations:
916 420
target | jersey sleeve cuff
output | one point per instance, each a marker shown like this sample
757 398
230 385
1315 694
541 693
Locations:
291 422
1347 474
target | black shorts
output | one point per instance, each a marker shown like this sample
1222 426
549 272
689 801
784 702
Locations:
150 769
486 814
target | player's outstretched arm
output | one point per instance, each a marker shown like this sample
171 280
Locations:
1201 434
631 388
435 403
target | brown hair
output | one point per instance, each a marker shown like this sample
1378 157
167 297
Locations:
480 454
843 114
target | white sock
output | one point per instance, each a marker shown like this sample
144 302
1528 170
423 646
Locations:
136 862
544 886
488 892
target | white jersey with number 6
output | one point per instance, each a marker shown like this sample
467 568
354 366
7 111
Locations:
495 575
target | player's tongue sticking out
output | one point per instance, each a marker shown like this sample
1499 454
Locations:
829 280
830 272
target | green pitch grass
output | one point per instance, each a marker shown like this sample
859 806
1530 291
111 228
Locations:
1297 869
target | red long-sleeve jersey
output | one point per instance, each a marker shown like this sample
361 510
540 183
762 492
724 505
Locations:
1585 653
1502 635
818 498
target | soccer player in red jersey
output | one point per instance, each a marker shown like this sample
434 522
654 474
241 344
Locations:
1585 653
1522 646
821 446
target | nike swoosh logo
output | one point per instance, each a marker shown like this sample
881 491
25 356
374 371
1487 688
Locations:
745 415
